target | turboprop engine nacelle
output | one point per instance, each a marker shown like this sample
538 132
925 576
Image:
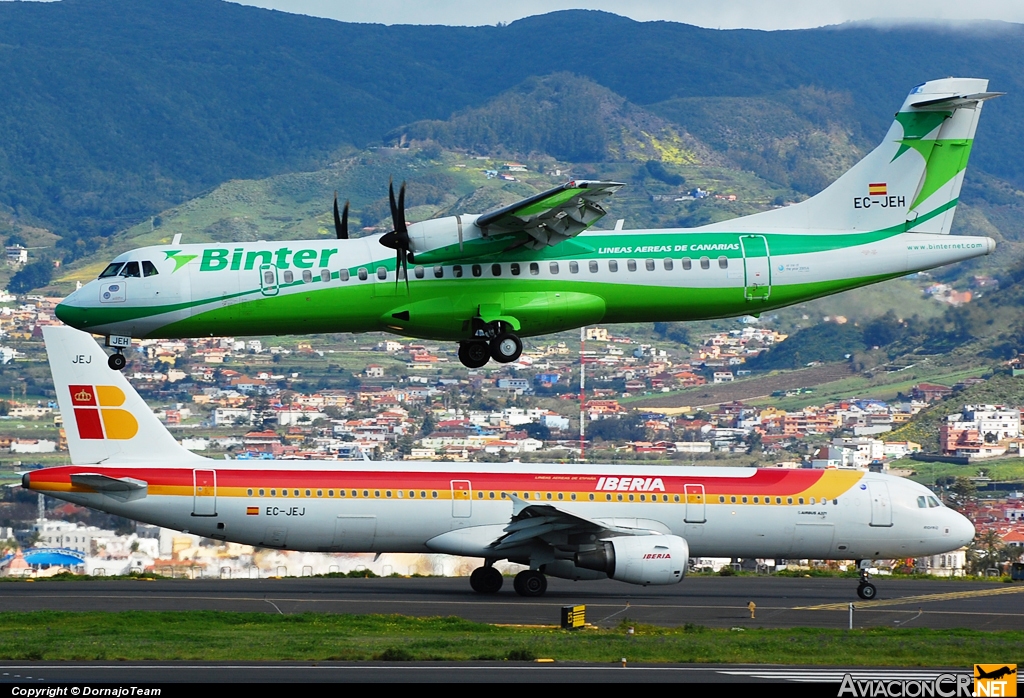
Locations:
642 560
449 239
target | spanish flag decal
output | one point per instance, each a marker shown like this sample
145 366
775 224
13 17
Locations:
94 414
877 189
252 511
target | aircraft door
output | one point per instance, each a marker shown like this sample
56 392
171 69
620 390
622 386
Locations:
757 267
204 487
354 534
694 503
462 499
881 507
269 284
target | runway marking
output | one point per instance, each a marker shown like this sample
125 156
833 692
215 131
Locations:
925 598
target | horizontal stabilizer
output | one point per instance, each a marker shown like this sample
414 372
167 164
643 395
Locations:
105 483
956 101
124 489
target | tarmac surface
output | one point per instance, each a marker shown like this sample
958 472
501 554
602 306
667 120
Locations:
711 601
820 680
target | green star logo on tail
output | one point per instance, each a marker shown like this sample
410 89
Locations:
180 260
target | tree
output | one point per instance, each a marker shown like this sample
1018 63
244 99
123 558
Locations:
988 552
962 492
32 276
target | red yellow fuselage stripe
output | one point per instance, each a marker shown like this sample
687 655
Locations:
820 484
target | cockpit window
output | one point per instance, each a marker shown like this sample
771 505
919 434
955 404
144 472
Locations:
111 269
131 270
922 502
933 502
149 269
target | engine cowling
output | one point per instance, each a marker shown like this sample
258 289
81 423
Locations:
450 239
644 560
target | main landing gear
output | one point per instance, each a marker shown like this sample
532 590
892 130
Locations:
866 590
502 346
528 583
486 580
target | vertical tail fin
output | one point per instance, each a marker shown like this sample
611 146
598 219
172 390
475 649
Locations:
909 183
105 420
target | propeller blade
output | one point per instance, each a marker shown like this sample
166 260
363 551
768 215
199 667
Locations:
399 237
340 223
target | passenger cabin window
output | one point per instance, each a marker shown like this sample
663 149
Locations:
438 272
496 270
553 267
723 262
131 270
613 265
593 266
290 277
149 269
382 273
705 263
268 278
649 264
307 276
668 264
631 264
325 275
418 272
515 269
363 274
574 268
687 263
112 269
457 271
343 274
534 268
477 270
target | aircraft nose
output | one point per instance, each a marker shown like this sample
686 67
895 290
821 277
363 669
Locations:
961 529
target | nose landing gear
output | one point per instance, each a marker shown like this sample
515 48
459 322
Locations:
866 590
117 361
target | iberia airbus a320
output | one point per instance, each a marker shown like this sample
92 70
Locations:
634 524
533 268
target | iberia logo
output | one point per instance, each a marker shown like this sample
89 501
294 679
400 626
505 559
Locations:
94 416
995 680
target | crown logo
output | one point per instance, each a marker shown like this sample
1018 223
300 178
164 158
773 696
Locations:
83 396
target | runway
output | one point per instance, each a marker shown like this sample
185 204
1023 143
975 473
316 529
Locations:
163 673
710 601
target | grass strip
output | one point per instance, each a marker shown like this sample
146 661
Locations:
225 636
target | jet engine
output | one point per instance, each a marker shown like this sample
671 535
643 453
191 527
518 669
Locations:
658 559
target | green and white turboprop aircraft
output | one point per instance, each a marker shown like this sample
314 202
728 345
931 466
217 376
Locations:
532 268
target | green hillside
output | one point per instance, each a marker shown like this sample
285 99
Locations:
115 110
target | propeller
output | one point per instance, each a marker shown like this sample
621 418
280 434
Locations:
398 239
340 222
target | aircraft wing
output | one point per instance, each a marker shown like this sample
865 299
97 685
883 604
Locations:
552 216
550 524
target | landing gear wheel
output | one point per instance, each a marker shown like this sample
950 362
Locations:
506 348
486 580
116 362
530 583
474 354
867 591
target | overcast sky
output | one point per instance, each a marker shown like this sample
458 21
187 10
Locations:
725 14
